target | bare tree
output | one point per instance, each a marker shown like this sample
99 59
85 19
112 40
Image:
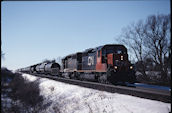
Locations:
59 60
133 37
150 39
2 55
157 41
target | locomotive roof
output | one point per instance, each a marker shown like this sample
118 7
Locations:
95 49
100 47
70 55
116 45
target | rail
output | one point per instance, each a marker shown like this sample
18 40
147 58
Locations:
160 95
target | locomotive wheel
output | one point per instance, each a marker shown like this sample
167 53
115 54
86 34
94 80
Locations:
80 76
76 75
71 76
102 78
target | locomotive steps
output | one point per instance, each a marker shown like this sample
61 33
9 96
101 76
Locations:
160 95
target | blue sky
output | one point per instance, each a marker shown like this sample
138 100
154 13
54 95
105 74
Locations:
34 31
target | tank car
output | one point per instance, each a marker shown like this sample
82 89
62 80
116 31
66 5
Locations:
37 68
42 68
52 68
26 70
33 68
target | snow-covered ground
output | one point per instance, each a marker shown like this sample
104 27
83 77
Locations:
67 98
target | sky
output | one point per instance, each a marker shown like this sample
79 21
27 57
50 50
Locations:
32 31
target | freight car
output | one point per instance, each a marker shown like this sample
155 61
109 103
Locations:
52 68
108 63
43 68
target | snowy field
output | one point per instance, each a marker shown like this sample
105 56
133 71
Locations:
66 98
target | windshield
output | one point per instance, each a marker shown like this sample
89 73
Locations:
114 50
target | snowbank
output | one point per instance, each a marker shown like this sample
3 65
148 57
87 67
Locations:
29 77
67 98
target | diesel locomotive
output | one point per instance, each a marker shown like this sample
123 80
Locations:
106 64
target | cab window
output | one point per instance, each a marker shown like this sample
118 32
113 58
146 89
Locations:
99 53
119 51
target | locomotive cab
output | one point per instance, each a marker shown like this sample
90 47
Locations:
114 59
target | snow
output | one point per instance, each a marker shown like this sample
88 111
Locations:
29 77
67 98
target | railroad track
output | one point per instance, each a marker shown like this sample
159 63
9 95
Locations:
148 93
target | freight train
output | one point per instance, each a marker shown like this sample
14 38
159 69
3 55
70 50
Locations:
106 64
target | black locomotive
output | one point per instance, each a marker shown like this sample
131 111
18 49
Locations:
107 63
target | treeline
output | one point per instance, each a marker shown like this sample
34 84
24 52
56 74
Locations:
150 42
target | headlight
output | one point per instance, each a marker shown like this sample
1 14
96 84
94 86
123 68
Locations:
121 57
115 67
131 67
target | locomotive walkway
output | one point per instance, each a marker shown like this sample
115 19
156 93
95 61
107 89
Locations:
148 93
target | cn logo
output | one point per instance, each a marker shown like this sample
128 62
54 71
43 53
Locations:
91 60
